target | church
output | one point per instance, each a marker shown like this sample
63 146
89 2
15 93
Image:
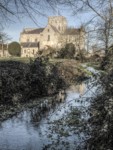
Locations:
56 35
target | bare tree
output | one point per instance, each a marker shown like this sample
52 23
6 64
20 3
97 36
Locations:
101 18
17 8
11 10
105 29
4 38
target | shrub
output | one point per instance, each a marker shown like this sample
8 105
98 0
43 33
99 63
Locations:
67 52
81 55
14 49
22 82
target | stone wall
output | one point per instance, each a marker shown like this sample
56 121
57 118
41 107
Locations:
29 38
48 38
29 52
59 22
77 40
4 50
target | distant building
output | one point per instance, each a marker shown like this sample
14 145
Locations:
4 50
56 35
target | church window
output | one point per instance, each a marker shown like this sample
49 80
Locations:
27 40
48 37
35 40
33 51
25 51
38 44
48 30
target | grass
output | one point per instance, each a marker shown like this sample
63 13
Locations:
87 72
27 60
65 62
54 61
95 65
59 60
20 59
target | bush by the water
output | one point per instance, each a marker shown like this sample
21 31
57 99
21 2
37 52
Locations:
81 55
21 82
68 52
101 110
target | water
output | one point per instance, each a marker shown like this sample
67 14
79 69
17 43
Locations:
24 132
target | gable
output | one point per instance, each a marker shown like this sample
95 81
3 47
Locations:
50 29
71 31
35 31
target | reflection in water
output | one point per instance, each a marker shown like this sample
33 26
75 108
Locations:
28 130
80 88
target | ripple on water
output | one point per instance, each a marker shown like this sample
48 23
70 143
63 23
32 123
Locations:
20 133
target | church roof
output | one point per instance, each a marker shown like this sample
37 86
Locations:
29 45
71 31
35 31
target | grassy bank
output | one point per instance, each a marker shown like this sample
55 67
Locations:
72 71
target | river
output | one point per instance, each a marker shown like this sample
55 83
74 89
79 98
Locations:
21 132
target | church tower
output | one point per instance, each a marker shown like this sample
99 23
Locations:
59 22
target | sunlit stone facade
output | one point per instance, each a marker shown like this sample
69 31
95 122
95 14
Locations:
56 35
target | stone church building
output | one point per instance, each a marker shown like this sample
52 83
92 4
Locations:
56 35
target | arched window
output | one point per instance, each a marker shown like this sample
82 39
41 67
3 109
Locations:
27 40
33 51
48 37
35 40
38 45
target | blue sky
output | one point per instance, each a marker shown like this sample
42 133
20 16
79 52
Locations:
13 29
